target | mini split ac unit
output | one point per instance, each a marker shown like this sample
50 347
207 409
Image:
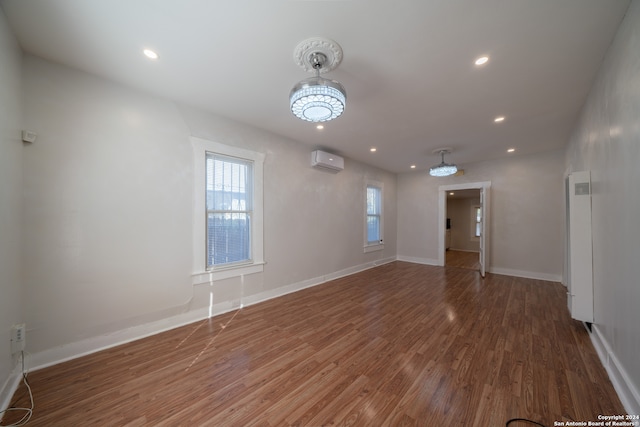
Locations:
328 161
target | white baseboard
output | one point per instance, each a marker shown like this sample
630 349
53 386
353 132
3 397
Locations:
8 390
526 274
284 290
87 346
77 349
627 391
494 270
416 260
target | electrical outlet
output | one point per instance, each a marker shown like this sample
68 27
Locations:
18 338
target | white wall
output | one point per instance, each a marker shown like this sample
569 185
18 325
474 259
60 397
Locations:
10 201
107 203
527 211
606 141
108 200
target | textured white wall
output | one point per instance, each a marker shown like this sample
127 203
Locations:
527 213
108 200
107 204
10 195
606 141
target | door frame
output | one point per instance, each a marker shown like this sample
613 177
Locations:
485 237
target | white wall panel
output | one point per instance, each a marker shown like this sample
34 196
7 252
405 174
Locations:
580 247
606 141
10 201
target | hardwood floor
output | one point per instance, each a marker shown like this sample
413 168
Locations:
401 344
462 259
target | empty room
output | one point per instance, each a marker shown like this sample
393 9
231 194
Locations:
312 212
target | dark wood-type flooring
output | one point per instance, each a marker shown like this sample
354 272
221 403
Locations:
462 259
398 345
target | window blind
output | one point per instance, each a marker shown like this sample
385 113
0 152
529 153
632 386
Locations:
229 188
374 211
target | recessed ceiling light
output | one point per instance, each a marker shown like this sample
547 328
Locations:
452 193
150 54
373 149
499 119
511 150
413 166
320 127
482 60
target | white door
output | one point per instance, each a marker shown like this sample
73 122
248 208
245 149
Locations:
484 194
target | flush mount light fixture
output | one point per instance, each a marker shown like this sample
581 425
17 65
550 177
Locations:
443 169
150 54
317 99
499 119
482 60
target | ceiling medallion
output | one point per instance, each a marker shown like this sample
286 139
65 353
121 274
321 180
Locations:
330 49
317 99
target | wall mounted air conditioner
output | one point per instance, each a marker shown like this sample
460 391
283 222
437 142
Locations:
323 160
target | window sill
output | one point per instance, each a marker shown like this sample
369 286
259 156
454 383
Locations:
373 248
226 273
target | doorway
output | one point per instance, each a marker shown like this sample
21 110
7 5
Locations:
463 227
483 190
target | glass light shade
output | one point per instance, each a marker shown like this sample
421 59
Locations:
317 99
443 169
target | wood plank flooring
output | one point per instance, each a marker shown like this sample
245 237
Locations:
462 259
398 345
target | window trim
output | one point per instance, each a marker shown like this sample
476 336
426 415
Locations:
200 273
376 246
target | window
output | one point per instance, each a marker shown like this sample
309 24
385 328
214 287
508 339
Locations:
374 213
373 219
227 211
476 220
229 186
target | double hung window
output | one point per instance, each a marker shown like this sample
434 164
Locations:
476 221
373 218
227 211
374 214
229 186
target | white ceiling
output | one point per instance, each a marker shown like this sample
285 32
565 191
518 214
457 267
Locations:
408 65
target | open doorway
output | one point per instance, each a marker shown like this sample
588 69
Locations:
482 222
463 229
